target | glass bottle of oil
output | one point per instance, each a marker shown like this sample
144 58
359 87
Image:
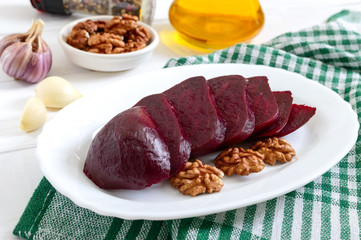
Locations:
216 24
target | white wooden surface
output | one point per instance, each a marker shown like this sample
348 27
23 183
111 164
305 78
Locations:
19 170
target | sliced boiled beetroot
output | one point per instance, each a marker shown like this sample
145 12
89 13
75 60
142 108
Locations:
284 101
194 103
300 114
163 113
230 93
129 152
262 102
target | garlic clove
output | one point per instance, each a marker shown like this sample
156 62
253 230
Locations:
33 116
56 92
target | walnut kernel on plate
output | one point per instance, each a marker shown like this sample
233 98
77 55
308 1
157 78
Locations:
239 161
274 149
197 178
127 59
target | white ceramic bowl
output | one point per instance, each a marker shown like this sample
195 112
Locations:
106 62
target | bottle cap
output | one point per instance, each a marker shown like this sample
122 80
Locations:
50 6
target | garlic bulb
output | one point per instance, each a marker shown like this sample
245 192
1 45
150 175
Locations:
26 56
56 92
34 115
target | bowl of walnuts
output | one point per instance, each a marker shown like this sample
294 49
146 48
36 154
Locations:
108 43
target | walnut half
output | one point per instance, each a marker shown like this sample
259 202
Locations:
239 161
274 150
197 178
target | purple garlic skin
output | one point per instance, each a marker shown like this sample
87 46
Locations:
7 41
26 56
20 62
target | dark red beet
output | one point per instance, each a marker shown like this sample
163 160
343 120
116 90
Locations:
194 103
262 102
230 93
300 114
174 135
128 153
284 102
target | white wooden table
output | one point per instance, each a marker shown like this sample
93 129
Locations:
19 170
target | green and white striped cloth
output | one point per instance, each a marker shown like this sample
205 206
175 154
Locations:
327 208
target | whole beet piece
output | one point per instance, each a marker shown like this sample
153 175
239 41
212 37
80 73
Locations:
129 152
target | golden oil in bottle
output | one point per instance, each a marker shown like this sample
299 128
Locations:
215 24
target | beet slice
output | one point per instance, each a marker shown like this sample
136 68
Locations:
129 152
284 102
262 102
194 103
300 114
230 93
174 135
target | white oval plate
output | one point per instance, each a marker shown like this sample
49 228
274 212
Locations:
320 144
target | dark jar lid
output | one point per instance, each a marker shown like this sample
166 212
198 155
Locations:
50 6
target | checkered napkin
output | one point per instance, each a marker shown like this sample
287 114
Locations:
329 207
